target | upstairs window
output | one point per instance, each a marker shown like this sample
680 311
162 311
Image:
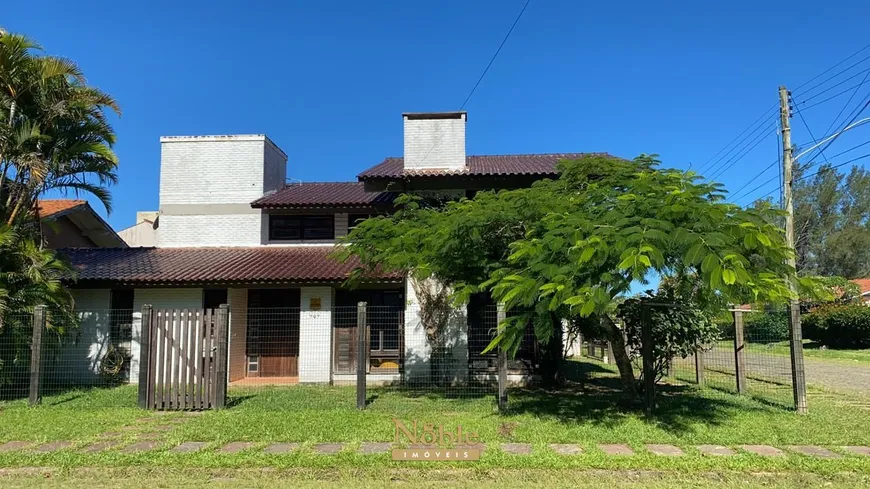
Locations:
354 219
301 227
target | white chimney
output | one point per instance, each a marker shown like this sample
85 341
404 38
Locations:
435 140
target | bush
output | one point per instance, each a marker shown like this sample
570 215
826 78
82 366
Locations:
841 326
766 327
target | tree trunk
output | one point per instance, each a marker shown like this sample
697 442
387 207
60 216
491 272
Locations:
620 356
552 356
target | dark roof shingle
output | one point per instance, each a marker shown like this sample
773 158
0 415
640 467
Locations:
485 165
324 194
254 265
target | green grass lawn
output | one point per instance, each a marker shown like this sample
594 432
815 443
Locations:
129 478
587 412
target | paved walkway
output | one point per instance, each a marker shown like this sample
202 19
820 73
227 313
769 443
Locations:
373 448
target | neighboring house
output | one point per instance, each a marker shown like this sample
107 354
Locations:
144 232
864 284
231 231
69 223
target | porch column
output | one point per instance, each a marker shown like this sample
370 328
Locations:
315 335
417 349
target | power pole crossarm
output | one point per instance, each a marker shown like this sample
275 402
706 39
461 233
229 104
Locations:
798 374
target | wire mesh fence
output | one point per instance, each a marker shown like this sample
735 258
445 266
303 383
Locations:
750 357
389 349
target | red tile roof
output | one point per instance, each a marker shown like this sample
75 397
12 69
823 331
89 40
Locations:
864 283
51 207
487 165
172 266
324 194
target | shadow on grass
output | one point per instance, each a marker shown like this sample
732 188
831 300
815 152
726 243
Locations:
589 396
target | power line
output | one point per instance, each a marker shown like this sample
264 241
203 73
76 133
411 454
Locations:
810 130
833 122
491 60
701 169
705 165
857 114
804 177
482 75
826 80
737 157
855 75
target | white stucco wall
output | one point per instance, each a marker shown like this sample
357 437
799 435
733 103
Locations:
315 336
434 143
176 298
418 352
79 358
207 184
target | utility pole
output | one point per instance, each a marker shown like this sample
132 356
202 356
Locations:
798 374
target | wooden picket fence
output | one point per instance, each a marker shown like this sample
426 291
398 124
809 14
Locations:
183 359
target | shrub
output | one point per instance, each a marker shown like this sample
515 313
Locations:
766 327
841 326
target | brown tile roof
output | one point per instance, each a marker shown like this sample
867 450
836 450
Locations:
52 207
324 194
172 266
486 165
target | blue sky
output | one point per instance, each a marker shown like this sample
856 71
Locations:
327 81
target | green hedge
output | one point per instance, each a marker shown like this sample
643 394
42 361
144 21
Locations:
765 327
842 326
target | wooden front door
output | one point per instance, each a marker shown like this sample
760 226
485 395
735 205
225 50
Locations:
385 318
273 331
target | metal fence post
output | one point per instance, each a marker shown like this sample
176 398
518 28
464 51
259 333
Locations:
36 354
739 353
649 380
144 356
361 356
798 368
501 315
699 365
220 381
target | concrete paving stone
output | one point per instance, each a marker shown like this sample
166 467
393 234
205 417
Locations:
236 446
814 451
616 449
666 450
856 450
101 446
54 446
14 445
566 448
190 447
369 447
716 450
328 448
141 446
517 448
281 448
763 450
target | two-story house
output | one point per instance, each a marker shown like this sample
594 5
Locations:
232 231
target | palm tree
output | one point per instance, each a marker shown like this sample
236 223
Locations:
55 135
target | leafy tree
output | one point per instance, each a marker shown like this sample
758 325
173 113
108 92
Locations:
54 136
832 222
568 247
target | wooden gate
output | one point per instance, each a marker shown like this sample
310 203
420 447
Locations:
183 361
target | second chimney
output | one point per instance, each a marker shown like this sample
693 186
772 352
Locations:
435 141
